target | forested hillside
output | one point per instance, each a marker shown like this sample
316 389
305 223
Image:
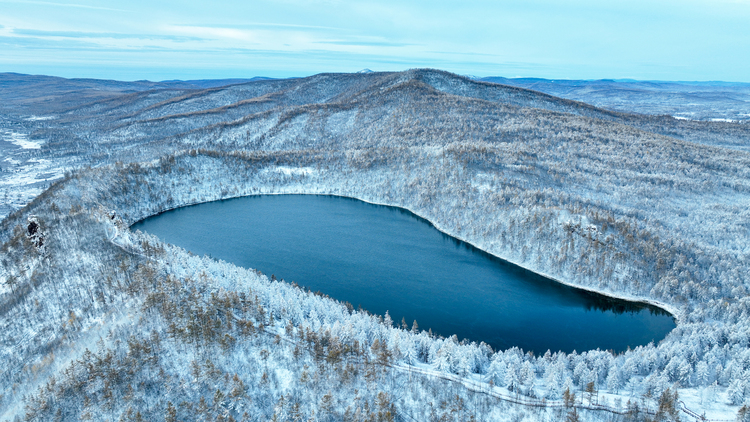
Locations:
105 324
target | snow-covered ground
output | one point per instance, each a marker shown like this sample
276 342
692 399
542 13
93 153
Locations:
598 205
24 173
711 400
20 139
40 118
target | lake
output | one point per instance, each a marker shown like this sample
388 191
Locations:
387 259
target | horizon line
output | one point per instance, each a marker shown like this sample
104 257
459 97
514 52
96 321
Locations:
469 76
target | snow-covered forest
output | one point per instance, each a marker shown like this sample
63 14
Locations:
101 323
708 101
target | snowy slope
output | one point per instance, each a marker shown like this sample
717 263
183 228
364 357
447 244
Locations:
103 323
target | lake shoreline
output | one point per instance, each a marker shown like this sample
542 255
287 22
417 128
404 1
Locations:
648 304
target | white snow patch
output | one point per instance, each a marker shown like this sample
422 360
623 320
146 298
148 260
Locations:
38 118
12 161
723 120
22 140
295 171
31 174
709 401
285 377
564 216
4 288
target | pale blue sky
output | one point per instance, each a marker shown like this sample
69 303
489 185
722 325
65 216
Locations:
580 39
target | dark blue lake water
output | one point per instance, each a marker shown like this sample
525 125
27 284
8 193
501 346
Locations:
387 259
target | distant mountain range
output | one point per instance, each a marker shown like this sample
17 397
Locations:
690 100
52 93
713 100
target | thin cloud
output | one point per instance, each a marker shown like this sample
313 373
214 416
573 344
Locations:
218 32
114 35
260 25
74 5
462 53
32 43
366 43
